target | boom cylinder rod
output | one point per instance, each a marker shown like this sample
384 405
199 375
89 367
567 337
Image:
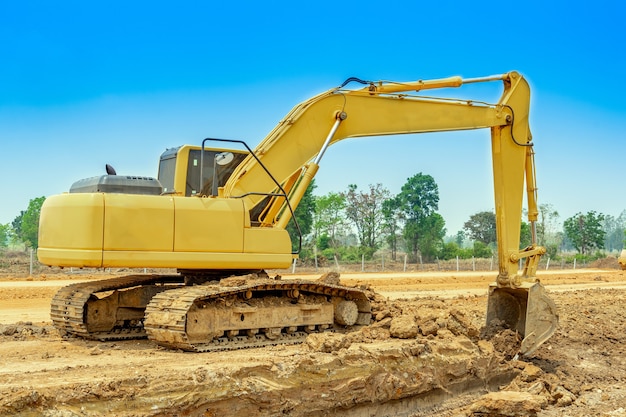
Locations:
531 192
485 79
420 85
533 232
341 116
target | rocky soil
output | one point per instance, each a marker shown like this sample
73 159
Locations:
422 356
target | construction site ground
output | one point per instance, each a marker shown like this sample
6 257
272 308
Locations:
424 355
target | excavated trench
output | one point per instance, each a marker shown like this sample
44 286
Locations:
418 357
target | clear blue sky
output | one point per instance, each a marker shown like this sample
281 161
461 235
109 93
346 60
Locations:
83 84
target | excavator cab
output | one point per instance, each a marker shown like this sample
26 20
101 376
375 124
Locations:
180 169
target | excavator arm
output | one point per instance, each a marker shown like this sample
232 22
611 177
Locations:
293 151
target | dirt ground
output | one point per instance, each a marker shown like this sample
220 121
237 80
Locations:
422 356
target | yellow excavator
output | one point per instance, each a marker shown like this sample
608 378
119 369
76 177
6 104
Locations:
219 217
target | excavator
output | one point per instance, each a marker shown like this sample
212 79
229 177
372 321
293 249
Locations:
218 217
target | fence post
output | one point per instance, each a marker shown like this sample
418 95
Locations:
30 273
473 264
457 263
336 262
548 263
293 266
574 263
405 262
491 264
421 264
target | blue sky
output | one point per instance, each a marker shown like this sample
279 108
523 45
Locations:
83 84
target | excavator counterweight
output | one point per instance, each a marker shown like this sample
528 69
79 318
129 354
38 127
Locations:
219 217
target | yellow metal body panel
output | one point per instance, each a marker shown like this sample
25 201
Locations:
122 230
194 260
209 225
261 240
63 214
180 175
82 212
148 223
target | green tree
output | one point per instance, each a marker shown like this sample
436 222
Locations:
303 215
392 216
323 242
482 227
328 219
5 230
449 250
481 250
419 198
585 231
364 210
525 237
29 225
431 236
614 231
16 225
459 238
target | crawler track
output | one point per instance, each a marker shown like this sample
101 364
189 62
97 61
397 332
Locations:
169 313
184 317
69 305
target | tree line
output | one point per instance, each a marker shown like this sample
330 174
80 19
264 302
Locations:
355 224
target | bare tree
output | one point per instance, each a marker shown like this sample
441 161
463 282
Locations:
547 225
364 210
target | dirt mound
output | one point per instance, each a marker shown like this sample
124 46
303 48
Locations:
343 373
610 262
420 357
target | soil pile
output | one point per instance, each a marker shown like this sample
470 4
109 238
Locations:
420 357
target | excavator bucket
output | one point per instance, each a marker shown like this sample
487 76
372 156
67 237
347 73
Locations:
527 310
